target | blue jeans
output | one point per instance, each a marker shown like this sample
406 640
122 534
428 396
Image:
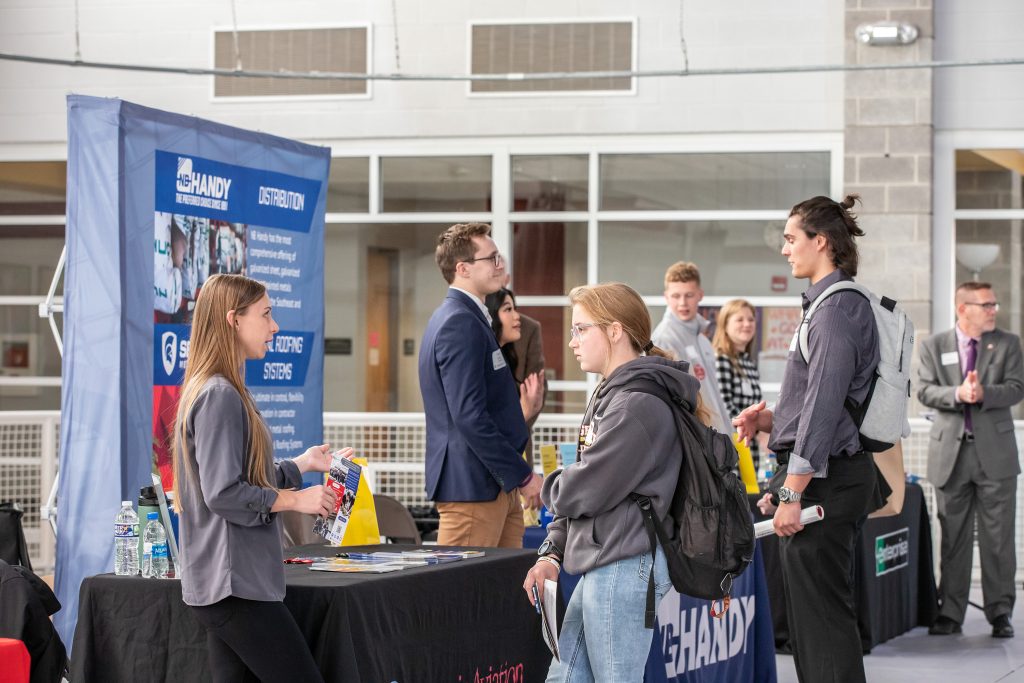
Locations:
603 636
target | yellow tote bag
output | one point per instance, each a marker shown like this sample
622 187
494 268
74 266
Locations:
362 522
747 473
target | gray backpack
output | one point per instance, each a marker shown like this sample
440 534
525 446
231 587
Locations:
882 417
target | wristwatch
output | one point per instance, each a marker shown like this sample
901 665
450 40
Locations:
548 548
789 495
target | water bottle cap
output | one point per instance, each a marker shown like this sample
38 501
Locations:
151 515
125 503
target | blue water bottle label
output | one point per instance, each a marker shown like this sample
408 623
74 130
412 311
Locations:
160 550
126 530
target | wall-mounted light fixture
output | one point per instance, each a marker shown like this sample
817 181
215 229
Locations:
977 257
886 33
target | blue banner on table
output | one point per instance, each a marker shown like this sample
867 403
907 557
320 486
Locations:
157 203
691 645
216 217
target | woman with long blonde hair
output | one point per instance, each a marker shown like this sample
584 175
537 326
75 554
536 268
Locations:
738 379
229 488
628 444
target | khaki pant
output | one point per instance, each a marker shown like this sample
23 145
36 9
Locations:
497 523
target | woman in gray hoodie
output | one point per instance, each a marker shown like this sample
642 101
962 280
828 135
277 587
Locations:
628 444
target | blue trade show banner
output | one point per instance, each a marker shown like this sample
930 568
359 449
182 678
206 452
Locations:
157 203
691 645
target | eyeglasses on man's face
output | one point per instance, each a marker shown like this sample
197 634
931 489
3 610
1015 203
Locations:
988 305
496 258
578 329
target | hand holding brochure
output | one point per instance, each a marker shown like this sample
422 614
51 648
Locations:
549 616
343 479
814 513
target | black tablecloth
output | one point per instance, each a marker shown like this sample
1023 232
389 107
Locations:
893 595
461 621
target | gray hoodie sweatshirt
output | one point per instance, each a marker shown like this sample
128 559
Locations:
686 340
632 446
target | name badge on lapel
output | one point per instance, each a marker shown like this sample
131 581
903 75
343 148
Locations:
497 360
950 358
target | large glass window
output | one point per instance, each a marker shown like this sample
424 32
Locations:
423 184
989 178
549 183
32 187
381 285
27 347
717 182
348 188
990 228
736 258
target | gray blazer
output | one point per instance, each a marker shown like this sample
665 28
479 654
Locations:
1001 373
230 540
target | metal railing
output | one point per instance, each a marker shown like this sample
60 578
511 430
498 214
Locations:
393 443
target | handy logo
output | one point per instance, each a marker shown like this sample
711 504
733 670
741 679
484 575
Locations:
169 351
892 551
196 188
184 174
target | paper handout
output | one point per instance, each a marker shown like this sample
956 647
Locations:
814 513
343 478
549 616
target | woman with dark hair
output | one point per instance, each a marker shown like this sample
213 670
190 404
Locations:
505 322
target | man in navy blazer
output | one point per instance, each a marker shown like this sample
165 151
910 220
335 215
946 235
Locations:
476 433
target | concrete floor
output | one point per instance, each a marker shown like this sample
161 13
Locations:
971 657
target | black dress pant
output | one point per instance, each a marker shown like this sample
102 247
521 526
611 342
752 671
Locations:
817 570
251 640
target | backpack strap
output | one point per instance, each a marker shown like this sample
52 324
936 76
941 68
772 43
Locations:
805 323
655 533
852 407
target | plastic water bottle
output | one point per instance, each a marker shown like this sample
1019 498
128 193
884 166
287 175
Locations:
154 548
767 470
126 541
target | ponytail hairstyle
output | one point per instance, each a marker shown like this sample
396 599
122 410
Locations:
615 302
214 349
833 220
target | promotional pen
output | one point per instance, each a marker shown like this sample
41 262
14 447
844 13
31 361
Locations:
536 598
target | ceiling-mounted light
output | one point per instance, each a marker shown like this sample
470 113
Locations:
886 33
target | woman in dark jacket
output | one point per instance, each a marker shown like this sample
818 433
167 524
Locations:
628 443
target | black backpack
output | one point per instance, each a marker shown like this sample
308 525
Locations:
712 532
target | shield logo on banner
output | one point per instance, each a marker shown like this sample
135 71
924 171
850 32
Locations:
168 351
184 183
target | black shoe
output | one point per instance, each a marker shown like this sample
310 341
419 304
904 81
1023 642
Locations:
1001 627
944 626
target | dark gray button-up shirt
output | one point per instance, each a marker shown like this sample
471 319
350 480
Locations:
230 541
810 418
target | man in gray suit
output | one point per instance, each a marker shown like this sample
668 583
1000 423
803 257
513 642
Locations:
972 375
